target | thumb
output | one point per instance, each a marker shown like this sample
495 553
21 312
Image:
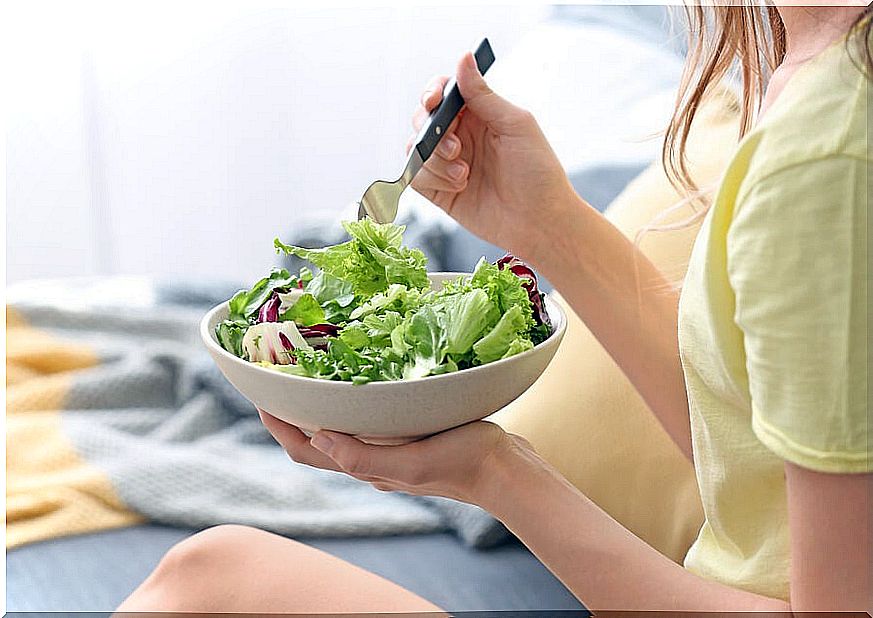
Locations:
483 102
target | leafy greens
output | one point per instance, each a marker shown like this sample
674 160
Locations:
369 314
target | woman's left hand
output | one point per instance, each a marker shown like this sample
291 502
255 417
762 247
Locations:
453 464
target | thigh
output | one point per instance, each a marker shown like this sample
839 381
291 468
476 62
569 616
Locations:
240 569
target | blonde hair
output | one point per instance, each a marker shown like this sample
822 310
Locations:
743 37
750 40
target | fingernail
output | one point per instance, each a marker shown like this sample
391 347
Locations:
322 442
456 170
447 147
427 94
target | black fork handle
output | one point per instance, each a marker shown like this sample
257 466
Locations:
440 119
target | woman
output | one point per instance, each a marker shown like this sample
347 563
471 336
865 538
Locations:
764 388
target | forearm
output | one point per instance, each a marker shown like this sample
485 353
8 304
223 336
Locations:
601 562
627 304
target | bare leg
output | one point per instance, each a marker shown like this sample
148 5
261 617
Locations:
241 569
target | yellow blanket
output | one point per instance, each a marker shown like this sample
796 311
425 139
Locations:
137 424
50 490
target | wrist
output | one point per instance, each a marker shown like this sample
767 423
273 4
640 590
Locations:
551 238
506 472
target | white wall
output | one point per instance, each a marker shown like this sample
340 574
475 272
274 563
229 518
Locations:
178 139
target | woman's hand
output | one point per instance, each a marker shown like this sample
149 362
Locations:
494 171
453 464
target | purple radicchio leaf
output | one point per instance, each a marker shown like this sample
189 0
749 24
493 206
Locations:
529 282
269 311
319 330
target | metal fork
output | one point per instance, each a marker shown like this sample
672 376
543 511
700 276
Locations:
381 198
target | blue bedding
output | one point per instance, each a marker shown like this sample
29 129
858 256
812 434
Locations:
95 572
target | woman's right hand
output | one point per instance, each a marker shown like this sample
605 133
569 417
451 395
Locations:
493 171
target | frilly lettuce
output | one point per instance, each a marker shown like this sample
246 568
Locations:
370 315
370 261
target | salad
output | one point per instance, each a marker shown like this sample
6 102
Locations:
370 314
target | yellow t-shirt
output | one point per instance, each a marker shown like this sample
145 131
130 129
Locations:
773 321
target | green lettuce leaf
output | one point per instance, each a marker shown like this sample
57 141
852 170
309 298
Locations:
467 316
401 264
344 262
337 297
379 327
375 234
246 303
230 335
398 298
540 333
399 346
391 325
372 260
355 336
342 362
329 289
497 342
518 345
503 288
305 275
305 312
426 335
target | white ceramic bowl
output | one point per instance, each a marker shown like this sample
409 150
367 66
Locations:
387 412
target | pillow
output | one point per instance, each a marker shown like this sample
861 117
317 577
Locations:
583 415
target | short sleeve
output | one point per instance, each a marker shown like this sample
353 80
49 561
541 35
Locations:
797 263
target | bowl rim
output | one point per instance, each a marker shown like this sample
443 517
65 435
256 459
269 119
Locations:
552 308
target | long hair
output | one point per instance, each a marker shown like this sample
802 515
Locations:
742 37
750 40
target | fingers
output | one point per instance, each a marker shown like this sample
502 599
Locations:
432 96
445 176
388 464
448 148
433 92
445 170
299 448
296 443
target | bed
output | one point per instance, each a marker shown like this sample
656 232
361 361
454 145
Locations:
95 570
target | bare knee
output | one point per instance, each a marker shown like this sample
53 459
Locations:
240 569
200 551
196 574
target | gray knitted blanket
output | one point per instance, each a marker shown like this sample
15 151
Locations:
175 440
